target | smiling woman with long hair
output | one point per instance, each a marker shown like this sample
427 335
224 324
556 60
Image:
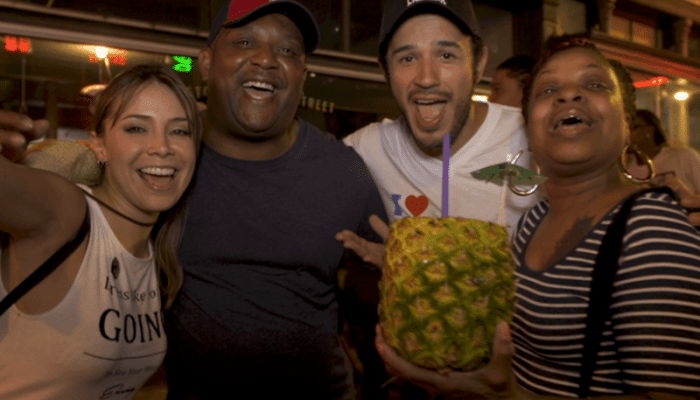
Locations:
93 327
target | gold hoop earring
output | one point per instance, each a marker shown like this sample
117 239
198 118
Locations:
623 164
513 188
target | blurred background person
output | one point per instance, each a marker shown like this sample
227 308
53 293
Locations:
508 80
88 95
649 135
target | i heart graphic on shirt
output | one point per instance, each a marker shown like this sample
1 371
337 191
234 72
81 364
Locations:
416 204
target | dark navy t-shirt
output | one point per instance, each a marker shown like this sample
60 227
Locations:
258 311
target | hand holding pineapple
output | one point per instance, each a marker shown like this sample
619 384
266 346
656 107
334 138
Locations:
493 381
462 265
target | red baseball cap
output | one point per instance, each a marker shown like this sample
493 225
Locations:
240 12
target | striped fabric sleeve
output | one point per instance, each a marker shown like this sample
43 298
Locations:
656 299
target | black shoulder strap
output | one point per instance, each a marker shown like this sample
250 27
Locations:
606 265
48 266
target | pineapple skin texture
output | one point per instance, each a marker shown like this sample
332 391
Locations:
446 283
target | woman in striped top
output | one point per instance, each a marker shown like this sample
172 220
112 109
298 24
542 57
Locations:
650 347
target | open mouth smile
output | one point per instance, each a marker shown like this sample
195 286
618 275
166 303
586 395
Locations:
158 171
158 178
430 110
572 122
259 85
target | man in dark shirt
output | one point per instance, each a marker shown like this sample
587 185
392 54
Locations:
257 316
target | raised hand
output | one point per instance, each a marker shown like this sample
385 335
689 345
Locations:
16 131
370 252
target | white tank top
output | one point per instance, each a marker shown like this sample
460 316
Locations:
102 341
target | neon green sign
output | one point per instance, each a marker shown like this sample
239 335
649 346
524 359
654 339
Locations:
184 63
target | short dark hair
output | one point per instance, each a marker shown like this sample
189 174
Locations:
518 67
653 120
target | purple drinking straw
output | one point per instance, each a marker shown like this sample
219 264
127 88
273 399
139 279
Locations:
445 175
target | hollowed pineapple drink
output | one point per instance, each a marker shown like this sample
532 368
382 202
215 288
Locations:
446 283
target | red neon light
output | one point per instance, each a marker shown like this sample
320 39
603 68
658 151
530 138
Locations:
11 43
24 45
16 44
659 80
114 59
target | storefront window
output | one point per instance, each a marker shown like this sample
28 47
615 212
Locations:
677 102
329 15
47 79
343 105
643 34
50 78
634 31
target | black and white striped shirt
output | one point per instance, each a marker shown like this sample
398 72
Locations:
652 342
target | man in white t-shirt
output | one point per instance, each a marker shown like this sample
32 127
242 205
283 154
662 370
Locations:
432 56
